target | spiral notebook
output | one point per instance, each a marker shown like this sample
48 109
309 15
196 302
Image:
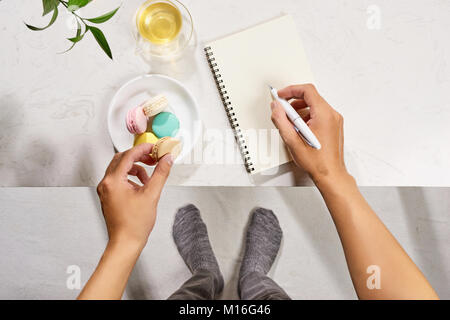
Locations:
243 64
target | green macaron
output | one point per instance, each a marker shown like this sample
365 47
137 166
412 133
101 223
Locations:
165 124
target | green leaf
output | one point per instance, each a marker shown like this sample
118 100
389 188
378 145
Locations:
49 6
100 37
74 5
70 48
76 39
55 15
79 36
103 18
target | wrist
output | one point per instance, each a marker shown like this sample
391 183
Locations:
123 237
333 180
123 245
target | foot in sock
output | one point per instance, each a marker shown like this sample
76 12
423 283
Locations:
262 243
191 238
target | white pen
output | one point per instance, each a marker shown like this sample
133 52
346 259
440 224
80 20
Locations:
299 125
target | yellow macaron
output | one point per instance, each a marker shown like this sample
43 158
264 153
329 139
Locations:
146 137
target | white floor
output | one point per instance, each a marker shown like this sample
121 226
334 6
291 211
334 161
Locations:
44 230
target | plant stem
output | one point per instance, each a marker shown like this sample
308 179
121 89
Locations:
65 4
80 19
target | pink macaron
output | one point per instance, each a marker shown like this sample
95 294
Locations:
136 121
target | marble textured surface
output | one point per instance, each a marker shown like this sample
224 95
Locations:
391 83
45 230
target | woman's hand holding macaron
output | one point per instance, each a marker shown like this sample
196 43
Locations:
129 208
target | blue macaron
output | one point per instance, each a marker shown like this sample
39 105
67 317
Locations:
165 124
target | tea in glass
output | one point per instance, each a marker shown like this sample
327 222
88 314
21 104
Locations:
160 22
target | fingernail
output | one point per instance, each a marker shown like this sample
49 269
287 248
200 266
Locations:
273 105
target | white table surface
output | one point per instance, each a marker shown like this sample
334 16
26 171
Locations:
392 85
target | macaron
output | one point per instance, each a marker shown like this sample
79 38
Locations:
146 137
136 120
164 146
165 124
155 105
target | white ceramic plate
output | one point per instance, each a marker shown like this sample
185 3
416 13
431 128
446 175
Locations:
134 92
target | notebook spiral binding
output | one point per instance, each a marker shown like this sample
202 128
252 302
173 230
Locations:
229 109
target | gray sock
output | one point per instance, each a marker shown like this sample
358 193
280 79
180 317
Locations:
263 242
191 238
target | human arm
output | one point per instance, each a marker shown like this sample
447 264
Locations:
365 239
129 210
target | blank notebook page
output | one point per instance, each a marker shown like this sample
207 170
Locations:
270 53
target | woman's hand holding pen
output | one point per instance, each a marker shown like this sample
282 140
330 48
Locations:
324 165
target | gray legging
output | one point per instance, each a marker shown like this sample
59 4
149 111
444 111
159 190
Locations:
203 285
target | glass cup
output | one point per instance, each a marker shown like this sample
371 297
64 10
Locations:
162 29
